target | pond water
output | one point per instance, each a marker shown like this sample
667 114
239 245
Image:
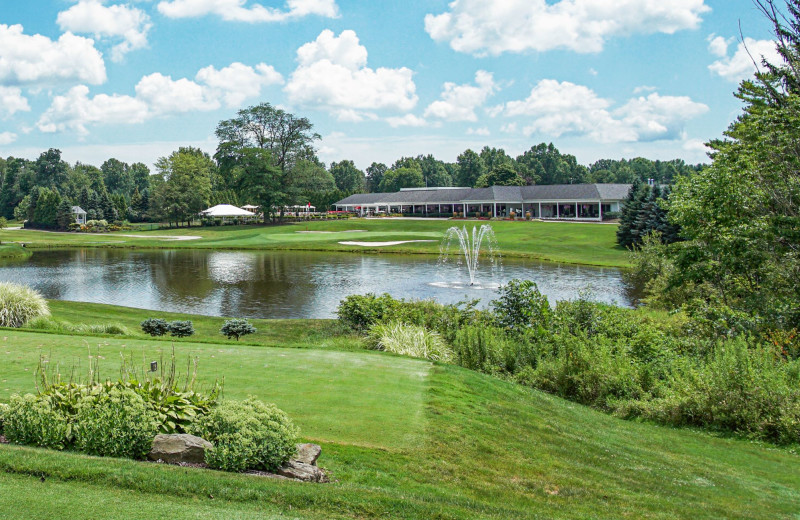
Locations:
268 284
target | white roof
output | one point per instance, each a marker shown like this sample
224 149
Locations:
226 210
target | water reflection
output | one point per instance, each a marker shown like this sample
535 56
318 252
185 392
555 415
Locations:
280 284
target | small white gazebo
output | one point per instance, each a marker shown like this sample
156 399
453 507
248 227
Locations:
224 211
250 207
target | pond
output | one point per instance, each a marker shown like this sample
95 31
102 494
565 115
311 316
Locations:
269 284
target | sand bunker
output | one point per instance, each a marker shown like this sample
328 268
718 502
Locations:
382 244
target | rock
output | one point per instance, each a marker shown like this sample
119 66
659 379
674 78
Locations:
307 453
302 471
179 447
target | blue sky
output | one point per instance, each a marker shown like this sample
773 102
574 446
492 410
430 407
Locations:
379 79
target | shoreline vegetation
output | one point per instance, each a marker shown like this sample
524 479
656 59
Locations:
14 251
405 437
571 243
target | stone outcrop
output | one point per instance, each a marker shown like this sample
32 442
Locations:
179 448
308 453
302 471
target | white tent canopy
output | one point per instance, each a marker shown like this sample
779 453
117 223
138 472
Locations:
226 210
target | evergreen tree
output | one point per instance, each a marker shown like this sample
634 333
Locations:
630 212
64 215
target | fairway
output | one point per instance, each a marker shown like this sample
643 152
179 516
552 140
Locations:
567 242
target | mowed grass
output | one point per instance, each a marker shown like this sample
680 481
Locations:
378 399
404 439
580 243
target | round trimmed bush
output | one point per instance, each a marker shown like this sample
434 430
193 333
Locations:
32 420
246 435
155 326
181 329
20 303
115 423
237 328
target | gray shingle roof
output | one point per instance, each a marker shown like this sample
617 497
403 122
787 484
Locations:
555 192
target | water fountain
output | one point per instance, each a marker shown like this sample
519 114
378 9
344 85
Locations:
468 254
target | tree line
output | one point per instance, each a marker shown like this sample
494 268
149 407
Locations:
266 157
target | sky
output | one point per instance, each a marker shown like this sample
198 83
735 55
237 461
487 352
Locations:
378 79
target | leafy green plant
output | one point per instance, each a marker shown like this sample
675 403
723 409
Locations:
116 423
237 328
521 306
360 312
33 420
409 340
247 434
181 329
155 327
19 304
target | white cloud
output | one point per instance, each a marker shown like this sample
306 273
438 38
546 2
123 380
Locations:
459 102
658 117
509 128
113 22
740 66
158 95
718 46
75 110
406 120
239 82
239 11
644 88
484 131
7 138
332 75
558 109
38 60
489 27
12 101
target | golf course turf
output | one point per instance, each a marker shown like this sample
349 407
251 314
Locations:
567 242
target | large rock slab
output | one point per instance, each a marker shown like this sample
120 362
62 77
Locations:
179 447
302 471
307 453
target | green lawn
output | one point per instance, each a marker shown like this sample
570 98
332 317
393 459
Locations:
13 251
582 243
404 439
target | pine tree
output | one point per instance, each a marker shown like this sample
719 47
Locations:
64 215
630 212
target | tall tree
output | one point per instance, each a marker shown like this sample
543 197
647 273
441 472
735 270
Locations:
50 169
349 179
375 173
186 186
470 168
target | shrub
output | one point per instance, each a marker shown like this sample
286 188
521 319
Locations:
521 306
181 329
155 327
19 304
33 420
3 411
360 312
409 340
237 328
491 350
246 435
116 423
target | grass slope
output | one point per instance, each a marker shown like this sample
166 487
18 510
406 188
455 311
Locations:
404 439
13 251
581 243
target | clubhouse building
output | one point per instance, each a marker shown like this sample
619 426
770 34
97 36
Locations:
559 201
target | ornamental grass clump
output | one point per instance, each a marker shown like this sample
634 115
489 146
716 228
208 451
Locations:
19 304
246 435
409 340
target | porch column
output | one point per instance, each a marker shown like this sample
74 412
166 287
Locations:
576 211
440 209
495 210
558 210
540 210
600 209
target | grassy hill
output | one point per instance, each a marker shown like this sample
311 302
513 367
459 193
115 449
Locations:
403 438
568 242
